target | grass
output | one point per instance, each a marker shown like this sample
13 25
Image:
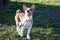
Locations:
35 34
14 35
47 2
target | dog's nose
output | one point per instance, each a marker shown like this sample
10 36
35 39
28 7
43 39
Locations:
28 11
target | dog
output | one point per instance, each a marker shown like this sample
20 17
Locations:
24 20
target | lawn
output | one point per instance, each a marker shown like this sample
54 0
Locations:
37 33
10 32
46 2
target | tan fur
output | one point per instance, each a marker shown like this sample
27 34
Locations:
19 17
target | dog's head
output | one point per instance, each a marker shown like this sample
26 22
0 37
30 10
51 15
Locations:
28 11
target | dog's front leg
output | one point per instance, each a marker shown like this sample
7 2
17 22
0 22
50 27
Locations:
29 30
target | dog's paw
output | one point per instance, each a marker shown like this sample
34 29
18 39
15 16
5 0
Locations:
28 37
21 35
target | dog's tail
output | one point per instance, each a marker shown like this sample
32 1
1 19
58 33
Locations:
18 11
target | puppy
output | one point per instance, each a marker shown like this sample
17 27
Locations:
24 20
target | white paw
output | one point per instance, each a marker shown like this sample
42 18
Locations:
28 37
21 35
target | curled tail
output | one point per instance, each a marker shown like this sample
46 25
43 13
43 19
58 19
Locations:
18 11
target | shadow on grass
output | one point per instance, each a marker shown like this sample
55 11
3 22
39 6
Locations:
44 15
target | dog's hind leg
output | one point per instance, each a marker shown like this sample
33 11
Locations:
19 29
22 28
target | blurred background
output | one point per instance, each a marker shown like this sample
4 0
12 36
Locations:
46 18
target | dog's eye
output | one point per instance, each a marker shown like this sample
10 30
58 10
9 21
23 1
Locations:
28 11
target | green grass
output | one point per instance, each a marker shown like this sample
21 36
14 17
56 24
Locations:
47 2
35 34
14 35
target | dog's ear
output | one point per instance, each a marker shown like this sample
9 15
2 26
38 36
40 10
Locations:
33 7
24 7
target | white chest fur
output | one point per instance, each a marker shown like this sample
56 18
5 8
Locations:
26 19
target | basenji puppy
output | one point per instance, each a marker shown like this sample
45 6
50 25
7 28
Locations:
24 20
